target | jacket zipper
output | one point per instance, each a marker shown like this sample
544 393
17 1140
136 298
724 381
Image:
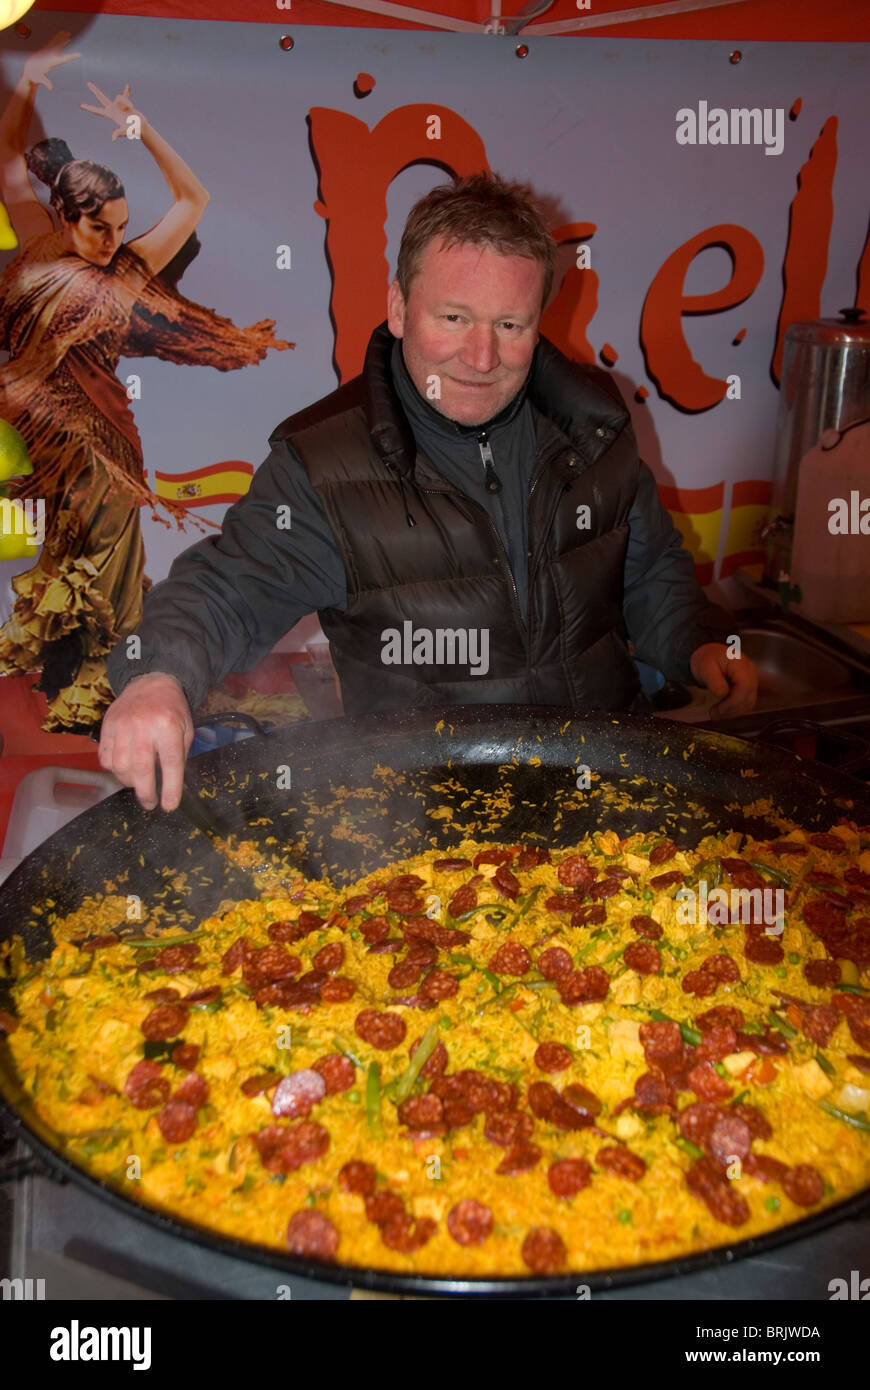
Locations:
506 566
490 477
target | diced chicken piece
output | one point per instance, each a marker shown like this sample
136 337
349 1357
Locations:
736 1062
626 990
623 1035
629 1126
812 1079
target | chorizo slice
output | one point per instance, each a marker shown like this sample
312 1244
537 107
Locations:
381 1030
543 1250
553 1056
338 1072
164 1022
622 1162
511 959
804 1185
359 1177
642 957
568 1176
469 1222
177 1121
312 1234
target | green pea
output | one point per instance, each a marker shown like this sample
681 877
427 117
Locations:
444 1023
771 1203
648 895
625 1217
353 1097
354 936
794 958
781 972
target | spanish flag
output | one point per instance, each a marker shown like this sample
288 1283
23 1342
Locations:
750 503
218 483
697 514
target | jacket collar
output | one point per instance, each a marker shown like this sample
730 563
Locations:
579 399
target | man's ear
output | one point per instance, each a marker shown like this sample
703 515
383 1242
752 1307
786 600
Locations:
395 310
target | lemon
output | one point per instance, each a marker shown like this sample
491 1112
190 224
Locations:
17 535
14 458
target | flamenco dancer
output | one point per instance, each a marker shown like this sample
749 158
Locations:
74 300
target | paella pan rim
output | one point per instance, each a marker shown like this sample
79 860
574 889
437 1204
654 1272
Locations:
424 739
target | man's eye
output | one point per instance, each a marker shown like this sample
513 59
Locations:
451 317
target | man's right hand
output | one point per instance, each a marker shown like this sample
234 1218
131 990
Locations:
150 720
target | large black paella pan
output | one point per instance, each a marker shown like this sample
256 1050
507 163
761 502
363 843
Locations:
506 773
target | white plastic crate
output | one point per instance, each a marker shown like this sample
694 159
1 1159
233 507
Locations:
46 800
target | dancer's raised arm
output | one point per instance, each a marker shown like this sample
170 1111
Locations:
158 245
28 217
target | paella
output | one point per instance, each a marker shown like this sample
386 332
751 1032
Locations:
506 1060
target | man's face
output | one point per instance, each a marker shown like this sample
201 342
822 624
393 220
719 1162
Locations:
470 322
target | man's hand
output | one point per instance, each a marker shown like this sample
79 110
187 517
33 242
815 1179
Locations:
149 720
734 678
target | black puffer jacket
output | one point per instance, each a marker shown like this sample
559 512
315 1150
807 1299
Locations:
422 561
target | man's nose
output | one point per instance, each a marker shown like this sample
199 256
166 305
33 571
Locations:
480 349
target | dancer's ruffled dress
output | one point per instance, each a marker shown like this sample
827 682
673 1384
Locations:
65 324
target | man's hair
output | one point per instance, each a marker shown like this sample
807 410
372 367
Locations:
483 210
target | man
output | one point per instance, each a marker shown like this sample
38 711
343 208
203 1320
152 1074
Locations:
469 517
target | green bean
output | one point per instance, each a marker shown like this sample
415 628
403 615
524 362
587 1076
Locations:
373 1101
405 1084
150 943
688 1147
482 907
827 1067
710 870
859 1121
341 1046
776 874
529 900
852 989
781 1024
689 1034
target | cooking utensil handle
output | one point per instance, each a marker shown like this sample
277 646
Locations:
222 717
230 716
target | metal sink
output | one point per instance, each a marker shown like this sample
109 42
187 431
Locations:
798 664
792 671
